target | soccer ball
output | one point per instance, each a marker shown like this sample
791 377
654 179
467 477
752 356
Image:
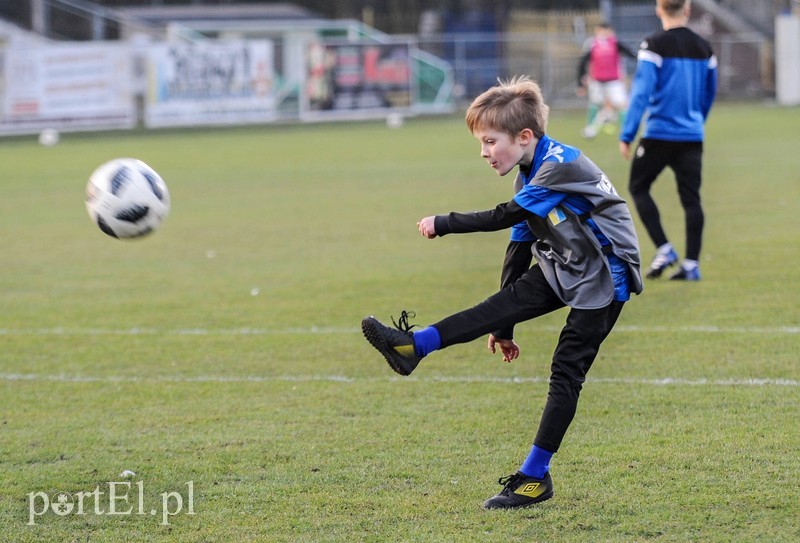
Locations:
126 198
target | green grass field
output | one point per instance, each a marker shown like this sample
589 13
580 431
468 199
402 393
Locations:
223 355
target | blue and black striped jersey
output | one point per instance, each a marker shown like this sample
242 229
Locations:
673 88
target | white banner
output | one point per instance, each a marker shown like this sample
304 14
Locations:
210 83
69 86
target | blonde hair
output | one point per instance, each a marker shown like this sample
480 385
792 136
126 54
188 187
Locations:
510 106
672 7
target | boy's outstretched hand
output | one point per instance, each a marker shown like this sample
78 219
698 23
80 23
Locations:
508 347
426 227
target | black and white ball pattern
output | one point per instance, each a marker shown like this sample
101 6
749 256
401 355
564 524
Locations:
126 198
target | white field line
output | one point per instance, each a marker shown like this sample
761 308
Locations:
321 330
344 379
63 331
667 381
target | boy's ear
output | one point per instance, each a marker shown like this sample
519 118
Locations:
525 136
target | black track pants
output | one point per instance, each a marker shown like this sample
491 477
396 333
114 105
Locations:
685 159
529 297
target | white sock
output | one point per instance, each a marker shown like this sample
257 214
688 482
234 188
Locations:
664 249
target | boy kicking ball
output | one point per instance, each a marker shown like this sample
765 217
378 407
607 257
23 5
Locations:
567 215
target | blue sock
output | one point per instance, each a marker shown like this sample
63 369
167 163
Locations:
426 341
537 463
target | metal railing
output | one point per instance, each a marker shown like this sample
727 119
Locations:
478 60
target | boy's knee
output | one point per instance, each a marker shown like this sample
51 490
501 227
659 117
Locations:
567 378
638 190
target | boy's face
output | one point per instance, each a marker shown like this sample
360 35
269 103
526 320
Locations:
603 32
503 152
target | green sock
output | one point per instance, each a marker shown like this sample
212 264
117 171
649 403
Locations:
591 114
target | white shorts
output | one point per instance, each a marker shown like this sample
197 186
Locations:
613 92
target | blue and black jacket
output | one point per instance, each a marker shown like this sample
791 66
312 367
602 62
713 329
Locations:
673 88
568 216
